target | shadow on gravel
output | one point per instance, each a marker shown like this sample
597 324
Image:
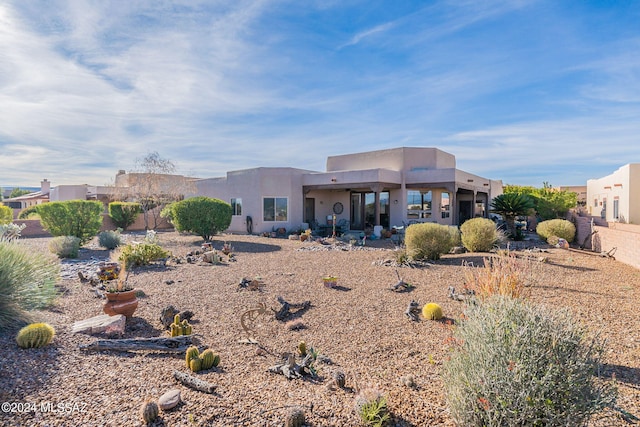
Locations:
623 374
570 267
247 247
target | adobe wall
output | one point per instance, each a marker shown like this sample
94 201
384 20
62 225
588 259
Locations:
625 238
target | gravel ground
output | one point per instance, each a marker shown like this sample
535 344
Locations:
360 327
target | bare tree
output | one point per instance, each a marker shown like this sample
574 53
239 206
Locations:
154 184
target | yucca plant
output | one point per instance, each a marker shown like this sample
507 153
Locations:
27 281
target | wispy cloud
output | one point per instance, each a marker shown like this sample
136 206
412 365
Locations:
357 38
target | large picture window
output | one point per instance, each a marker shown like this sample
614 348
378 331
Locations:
418 204
236 206
275 209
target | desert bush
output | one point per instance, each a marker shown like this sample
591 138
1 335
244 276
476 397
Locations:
11 231
371 406
65 246
501 275
430 240
79 218
6 214
203 216
29 213
27 281
109 239
517 364
557 227
479 235
136 254
123 214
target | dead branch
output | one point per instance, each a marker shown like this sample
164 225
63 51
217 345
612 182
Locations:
170 345
193 382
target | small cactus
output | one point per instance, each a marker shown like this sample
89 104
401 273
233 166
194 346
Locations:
178 328
209 359
339 378
35 335
195 364
149 412
432 311
295 418
302 348
191 353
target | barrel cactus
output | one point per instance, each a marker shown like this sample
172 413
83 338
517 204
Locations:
195 364
295 418
149 412
192 353
209 359
432 311
35 335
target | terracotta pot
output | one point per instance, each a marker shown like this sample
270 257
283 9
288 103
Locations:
121 303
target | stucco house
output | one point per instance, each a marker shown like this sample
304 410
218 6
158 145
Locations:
31 199
616 197
383 188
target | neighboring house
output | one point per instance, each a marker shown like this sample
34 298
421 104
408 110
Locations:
616 197
580 190
31 199
382 188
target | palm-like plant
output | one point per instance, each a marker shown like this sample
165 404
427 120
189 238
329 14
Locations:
510 206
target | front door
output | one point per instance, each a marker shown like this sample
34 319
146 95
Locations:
466 211
357 211
309 209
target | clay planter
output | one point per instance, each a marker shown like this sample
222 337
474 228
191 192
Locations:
121 303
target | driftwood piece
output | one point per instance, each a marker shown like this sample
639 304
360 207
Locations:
251 284
193 382
170 345
284 311
413 311
291 369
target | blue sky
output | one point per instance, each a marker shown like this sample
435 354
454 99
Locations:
523 91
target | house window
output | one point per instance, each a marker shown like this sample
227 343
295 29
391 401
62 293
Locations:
445 205
616 207
418 204
275 209
595 203
236 206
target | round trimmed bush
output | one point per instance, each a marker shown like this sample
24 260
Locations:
203 216
518 364
6 214
479 235
430 240
556 227
109 239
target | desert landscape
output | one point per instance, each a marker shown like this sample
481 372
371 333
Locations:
359 328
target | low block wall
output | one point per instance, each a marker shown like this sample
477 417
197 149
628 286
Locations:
34 229
625 238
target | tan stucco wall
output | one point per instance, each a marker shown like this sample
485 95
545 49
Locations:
61 193
403 158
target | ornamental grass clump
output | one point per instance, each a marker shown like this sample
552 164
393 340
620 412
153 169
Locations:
430 240
556 227
479 235
65 246
27 282
517 364
501 275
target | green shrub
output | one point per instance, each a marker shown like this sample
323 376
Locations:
29 213
371 406
136 254
479 235
123 214
557 227
27 281
518 364
65 246
109 239
430 240
6 214
203 216
79 218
